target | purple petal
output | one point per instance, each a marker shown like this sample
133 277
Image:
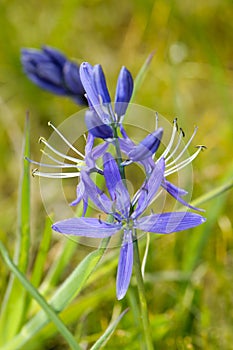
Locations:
81 196
50 72
87 79
100 83
172 189
115 185
150 188
147 147
124 91
46 85
99 150
96 195
176 192
96 126
125 266
72 78
54 54
87 227
111 174
169 222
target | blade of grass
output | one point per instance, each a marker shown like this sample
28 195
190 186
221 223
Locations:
62 297
109 331
48 309
42 254
141 75
15 297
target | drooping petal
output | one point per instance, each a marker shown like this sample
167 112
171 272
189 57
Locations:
96 126
87 227
125 265
124 91
147 147
172 189
115 185
177 192
149 189
169 222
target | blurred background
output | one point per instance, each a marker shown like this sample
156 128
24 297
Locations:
190 77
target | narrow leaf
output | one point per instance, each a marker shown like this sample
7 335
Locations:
107 334
63 296
48 310
15 293
141 75
42 254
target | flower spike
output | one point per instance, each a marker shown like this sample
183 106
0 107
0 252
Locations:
52 71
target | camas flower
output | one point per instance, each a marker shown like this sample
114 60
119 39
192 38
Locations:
127 215
102 115
51 70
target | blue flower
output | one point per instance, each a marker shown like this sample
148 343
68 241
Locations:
102 117
51 70
127 215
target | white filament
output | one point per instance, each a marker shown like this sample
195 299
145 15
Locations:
65 140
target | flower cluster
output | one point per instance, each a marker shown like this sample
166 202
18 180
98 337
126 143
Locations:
126 214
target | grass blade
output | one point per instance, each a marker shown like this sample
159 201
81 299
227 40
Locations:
48 309
15 296
141 75
42 254
107 334
63 296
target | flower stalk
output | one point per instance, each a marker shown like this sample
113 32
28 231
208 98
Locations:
142 297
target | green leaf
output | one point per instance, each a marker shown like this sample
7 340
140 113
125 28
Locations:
109 331
42 254
15 299
62 297
23 229
48 309
141 75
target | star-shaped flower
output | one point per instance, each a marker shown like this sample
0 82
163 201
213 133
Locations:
127 216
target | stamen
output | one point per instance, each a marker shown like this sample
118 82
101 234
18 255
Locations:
184 149
65 140
51 157
51 165
61 175
177 146
72 159
174 131
184 162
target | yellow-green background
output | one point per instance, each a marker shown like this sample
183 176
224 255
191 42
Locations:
190 77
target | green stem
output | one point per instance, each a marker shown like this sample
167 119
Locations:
142 297
118 153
